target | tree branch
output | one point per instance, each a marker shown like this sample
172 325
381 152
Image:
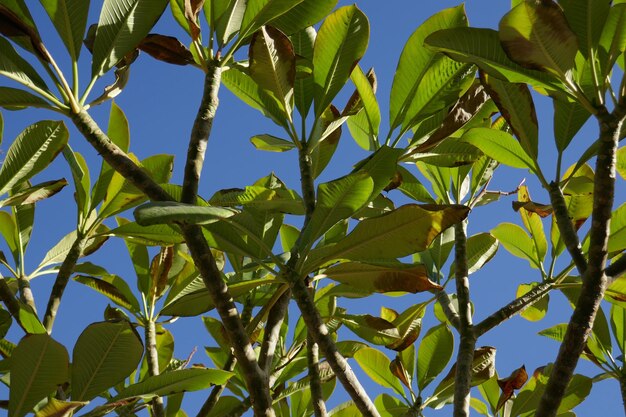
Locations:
446 305
566 228
201 131
467 344
312 356
63 277
514 307
616 269
152 357
10 302
201 255
594 279
217 390
274 322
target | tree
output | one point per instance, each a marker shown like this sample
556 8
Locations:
460 95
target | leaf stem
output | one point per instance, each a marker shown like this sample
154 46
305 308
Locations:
63 277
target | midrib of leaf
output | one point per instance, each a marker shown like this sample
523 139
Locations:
115 32
544 50
274 60
93 374
407 101
32 377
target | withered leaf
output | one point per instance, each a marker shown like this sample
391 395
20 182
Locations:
397 369
192 10
159 270
167 49
543 210
354 104
508 385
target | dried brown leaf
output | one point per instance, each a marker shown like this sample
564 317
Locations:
508 385
167 49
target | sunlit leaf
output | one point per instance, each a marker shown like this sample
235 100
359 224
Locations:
70 19
376 366
434 353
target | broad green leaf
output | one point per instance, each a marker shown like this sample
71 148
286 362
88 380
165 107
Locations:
13 66
347 409
538 309
516 105
303 15
260 198
271 143
260 12
239 82
532 222
480 249
29 320
618 326
403 231
59 251
24 220
617 235
31 152
382 278
569 117
199 301
303 42
34 193
155 235
114 288
340 44
325 138
55 408
168 383
122 25
482 48
500 146
229 22
70 19
38 365
586 18
415 61
516 241
82 181
621 162
119 133
536 35
337 200
389 406
170 212
272 65
372 329
613 38
366 90
434 353
16 99
104 355
449 153
376 366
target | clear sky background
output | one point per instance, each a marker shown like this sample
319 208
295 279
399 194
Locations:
160 102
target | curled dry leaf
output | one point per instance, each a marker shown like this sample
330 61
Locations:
543 210
159 270
508 385
192 10
398 370
167 49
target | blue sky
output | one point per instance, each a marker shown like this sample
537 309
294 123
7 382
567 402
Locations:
160 102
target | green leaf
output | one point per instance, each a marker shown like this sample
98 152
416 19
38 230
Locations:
229 22
480 249
618 326
199 301
613 38
536 35
434 353
31 152
586 18
569 117
389 406
271 143
104 355
376 366
415 61
516 105
13 66
119 133
16 99
482 48
170 211
114 288
56 408
155 235
38 365
617 234
24 220
366 89
373 329
517 242
173 382
260 12
239 82
82 181
70 19
304 14
621 162
383 278
272 65
401 232
34 193
122 25
303 42
538 309
500 146
340 44
260 198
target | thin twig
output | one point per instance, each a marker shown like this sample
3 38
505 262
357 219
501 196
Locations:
312 356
